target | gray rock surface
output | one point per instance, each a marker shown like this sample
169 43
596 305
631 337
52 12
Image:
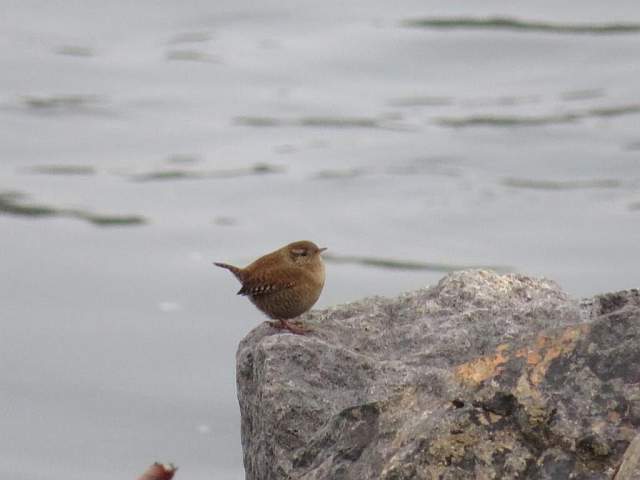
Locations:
630 466
482 376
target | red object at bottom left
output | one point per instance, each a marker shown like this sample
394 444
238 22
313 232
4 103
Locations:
159 471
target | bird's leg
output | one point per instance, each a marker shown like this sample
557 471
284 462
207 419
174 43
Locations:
286 325
293 328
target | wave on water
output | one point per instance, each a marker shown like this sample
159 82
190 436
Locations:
327 122
183 174
530 120
395 264
14 203
512 24
528 183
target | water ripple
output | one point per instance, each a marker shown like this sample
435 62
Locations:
512 24
395 264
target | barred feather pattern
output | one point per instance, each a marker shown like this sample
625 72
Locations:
285 283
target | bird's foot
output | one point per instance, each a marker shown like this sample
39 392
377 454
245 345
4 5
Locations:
297 329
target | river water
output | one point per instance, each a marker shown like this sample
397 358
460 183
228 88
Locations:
140 141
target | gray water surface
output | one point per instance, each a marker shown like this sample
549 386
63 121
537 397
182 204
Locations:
140 141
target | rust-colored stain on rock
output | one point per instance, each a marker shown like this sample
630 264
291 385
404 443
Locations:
482 368
547 348
539 355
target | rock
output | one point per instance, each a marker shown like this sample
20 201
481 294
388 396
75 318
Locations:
630 466
481 376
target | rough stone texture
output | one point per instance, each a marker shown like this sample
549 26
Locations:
630 466
483 376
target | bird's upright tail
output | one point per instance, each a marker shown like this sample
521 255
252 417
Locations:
235 270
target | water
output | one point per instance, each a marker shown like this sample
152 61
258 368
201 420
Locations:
140 141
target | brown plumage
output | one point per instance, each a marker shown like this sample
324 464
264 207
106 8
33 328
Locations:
283 284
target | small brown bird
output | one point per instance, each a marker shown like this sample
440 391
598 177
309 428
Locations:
283 284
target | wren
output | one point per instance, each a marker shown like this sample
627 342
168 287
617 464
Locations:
283 284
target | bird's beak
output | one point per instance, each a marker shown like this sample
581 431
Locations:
320 250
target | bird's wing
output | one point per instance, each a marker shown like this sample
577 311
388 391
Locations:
275 281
